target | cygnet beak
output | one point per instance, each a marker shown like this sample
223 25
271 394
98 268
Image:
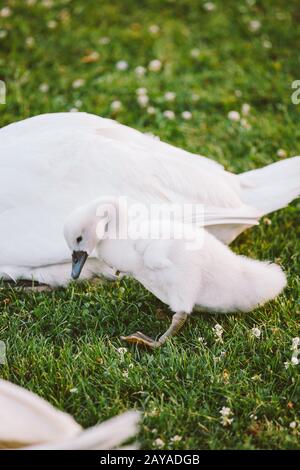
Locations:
78 260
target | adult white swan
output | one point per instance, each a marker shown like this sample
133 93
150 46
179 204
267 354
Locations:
52 163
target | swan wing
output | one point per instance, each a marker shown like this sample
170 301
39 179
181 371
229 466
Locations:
110 434
27 419
51 164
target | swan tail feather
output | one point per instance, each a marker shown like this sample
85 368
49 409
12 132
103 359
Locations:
272 187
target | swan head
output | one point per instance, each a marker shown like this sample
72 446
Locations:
83 230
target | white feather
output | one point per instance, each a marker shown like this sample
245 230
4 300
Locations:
52 163
26 418
29 421
272 187
108 435
191 271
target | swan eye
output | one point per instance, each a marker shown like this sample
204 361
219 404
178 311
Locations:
79 239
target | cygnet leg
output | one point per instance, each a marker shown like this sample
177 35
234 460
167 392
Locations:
178 321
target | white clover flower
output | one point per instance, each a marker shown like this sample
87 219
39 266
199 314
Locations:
5 12
256 332
74 390
122 65
151 110
121 352
267 221
201 339
234 116
218 331
267 44
226 416
170 96
195 53
44 87
141 91
52 24
295 361
176 438
104 40
225 411
169 114
30 41
187 115
209 6
155 65
238 93
154 29
159 442
293 425
78 103
254 26
140 71
79 82
281 153
3 33
245 109
295 343
296 352
143 100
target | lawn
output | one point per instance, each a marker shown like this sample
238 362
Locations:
64 345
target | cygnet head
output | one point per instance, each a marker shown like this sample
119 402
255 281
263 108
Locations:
83 230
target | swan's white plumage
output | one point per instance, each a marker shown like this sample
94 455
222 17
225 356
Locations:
28 420
211 278
193 269
52 163
108 435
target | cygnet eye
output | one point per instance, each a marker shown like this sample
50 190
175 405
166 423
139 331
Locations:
79 239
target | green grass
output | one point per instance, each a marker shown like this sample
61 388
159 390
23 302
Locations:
64 345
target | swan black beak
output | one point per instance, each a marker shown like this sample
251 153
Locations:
78 260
